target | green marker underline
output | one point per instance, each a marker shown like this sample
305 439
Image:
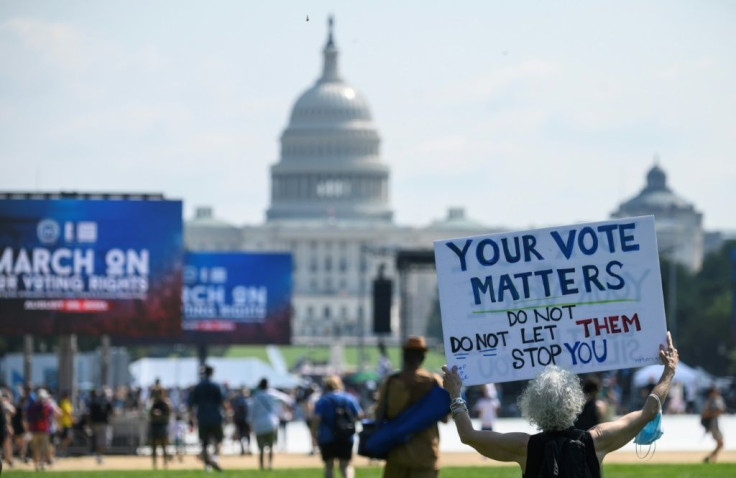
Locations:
554 305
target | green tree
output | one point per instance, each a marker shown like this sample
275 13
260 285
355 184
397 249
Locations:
704 312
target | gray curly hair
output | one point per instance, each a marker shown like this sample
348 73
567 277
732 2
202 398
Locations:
553 399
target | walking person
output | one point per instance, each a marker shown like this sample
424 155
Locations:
65 423
239 405
53 431
714 408
264 418
417 458
487 407
314 393
208 399
40 415
158 415
20 429
594 409
676 403
551 401
286 415
177 432
6 427
100 413
335 412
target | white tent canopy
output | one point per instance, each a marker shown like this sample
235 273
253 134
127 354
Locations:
694 379
183 372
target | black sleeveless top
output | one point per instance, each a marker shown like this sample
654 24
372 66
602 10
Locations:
535 451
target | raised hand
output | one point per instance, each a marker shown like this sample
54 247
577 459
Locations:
668 355
451 381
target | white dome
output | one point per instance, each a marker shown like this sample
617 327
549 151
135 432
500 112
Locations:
329 102
330 166
656 196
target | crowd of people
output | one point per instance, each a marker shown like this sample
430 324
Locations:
38 428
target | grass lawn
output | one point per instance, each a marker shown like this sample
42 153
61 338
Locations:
292 354
642 470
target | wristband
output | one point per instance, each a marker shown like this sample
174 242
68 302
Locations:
659 403
458 402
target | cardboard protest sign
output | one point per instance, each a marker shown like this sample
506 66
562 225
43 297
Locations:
585 297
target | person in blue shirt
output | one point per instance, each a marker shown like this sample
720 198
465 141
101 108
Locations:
331 447
207 398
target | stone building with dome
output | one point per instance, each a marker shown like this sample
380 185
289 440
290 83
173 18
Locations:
330 207
678 224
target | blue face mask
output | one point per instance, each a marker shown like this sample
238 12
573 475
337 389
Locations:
650 433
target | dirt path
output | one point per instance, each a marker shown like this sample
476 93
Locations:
294 460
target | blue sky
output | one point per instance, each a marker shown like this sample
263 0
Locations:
526 113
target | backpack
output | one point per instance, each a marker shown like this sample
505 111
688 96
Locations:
564 456
343 428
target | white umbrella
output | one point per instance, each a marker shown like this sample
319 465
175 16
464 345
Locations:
688 376
183 372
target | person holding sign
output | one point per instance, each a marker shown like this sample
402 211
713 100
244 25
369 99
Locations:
552 401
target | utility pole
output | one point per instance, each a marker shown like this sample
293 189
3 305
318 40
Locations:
67 372
105 359
672 298
27 357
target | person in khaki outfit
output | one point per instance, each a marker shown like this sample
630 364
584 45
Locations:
418 458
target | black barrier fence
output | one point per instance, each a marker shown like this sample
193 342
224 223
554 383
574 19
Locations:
126 433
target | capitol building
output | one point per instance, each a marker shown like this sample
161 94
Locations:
330 208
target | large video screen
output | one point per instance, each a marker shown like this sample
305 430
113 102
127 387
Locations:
235 297
89 266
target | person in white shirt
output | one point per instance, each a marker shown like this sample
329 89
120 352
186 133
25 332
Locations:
177 432
487 407
264 417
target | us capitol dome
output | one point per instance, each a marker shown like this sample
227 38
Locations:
330 209
330 165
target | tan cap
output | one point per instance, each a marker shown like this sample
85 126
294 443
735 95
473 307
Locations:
415 342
